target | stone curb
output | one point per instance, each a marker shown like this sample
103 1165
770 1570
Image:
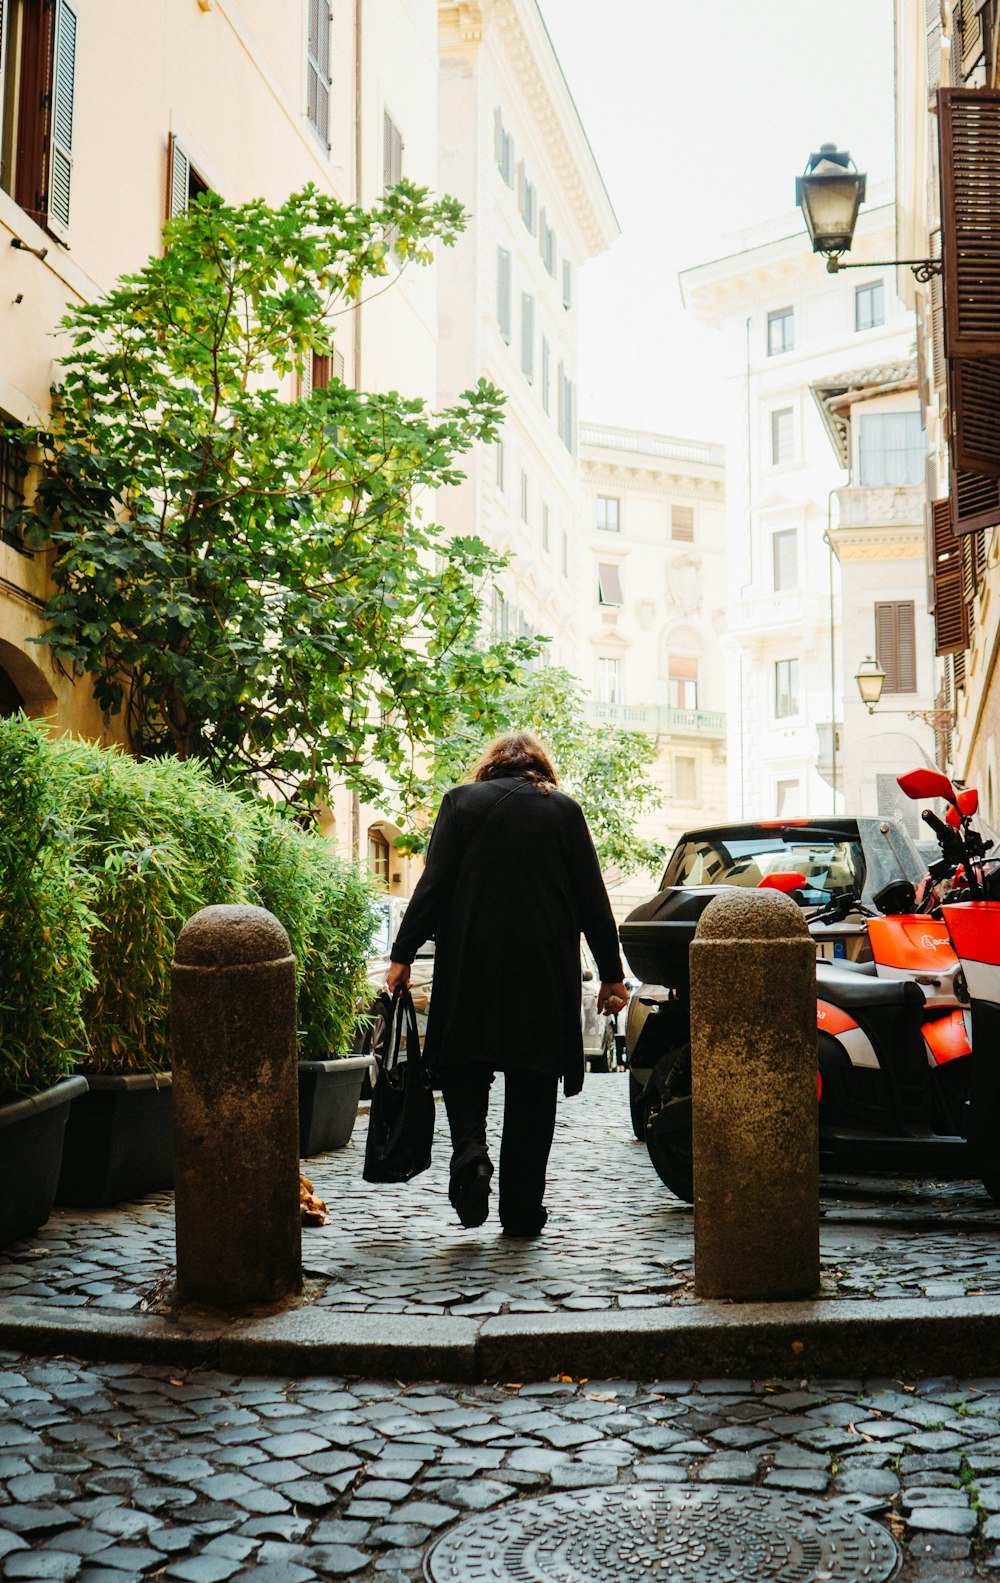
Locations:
907 1337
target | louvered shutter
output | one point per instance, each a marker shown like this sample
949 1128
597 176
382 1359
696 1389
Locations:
933 15
969 140
969 26
975 415
975 502
2 41
939 366
885 645
950 617
178 178
958 669
63 100
392 152
318 68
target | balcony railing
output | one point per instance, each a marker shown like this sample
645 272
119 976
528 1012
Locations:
661 720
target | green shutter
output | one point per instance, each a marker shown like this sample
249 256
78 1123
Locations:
63 97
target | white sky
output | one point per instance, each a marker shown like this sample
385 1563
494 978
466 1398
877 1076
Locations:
701 113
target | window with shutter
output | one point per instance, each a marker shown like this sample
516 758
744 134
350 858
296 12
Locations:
318 70
895 644
682 524
933 24
528 336
184 184
967 51
567 283
950 612
958 669
975 502
968 137
975 407
38 41
609 585
392 152
504 287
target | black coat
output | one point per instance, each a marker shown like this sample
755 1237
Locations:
506 906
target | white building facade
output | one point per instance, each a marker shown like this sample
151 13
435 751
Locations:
513 150
789 325
651 595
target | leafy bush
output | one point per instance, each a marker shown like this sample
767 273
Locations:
46 923
102 858
327 908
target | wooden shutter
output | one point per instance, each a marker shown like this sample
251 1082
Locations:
969 140
970 38
178 178
32 111
975 415
958 669
975 502
63 99
939 366
950 612
895 644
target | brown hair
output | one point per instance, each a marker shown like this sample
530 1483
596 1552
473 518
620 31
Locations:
517 753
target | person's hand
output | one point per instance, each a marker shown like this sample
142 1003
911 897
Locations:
399 973
611 998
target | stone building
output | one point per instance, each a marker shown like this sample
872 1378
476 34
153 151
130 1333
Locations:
651 592
791 331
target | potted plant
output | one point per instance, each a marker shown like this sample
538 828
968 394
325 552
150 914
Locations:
160 841
327 907
45 926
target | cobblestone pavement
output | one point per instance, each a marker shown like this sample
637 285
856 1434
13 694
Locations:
117 1471
616 1238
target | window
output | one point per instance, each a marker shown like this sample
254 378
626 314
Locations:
566 416
780 332
392 152
320 369
786 689
608 513
500 465
567 292
869 306
13 467
37 107
528 336
378 856
545 526
504 151
546 375
785 559
786 799
504 293
184 184
524 496
609 585
527 201
682 682
685 779
547 245
609 680
892 449
895 645
782 436
682 524
318 70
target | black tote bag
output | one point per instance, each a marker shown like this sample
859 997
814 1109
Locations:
401 1122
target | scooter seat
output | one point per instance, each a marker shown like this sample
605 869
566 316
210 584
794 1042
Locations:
857 990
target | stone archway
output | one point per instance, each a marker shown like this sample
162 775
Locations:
23 685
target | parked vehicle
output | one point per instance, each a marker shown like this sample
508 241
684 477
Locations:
893 1047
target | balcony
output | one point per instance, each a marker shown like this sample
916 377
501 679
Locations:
869 507
659 721
764 615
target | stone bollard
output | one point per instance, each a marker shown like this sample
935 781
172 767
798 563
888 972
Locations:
236 1109
754 1111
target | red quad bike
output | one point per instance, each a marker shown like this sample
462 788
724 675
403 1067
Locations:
894 1055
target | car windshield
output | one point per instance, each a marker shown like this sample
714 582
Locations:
830 867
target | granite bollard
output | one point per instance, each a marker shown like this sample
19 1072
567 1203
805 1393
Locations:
754 1111
236 1115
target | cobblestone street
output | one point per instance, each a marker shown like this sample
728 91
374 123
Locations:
115 1471
617 1239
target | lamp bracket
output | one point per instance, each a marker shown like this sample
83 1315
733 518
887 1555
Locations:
923 269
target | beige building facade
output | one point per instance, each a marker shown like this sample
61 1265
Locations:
651 596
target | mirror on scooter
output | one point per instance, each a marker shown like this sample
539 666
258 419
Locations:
968 802
918 784
783 882
899 896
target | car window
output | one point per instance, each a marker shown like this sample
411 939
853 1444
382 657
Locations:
830 867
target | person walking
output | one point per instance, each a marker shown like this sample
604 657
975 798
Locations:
510 883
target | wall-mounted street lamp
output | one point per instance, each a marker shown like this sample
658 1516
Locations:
830 192
870 677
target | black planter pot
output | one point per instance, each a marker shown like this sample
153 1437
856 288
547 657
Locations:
119 1141
329 1094
31 1146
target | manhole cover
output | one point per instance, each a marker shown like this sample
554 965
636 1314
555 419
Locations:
665 1534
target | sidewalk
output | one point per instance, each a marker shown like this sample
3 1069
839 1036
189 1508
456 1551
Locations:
395 1286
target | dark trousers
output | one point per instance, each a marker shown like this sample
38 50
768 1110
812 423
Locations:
529 1118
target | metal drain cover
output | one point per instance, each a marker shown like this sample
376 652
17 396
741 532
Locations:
673 1533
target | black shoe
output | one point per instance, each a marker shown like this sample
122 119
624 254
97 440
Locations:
525 1228
472 1195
